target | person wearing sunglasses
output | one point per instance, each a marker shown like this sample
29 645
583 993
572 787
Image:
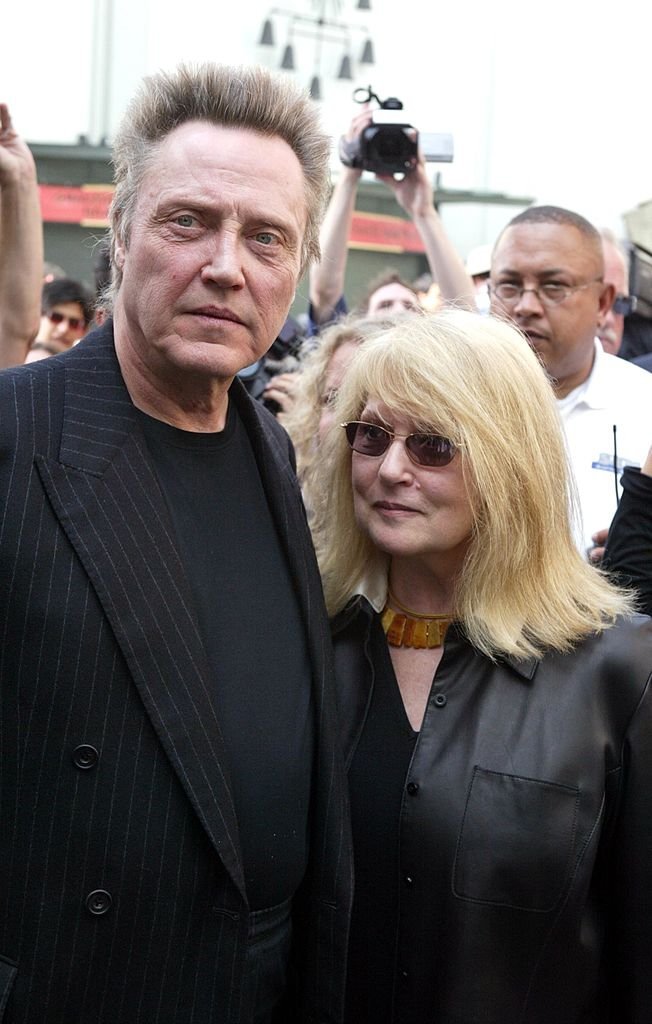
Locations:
494 693
67 313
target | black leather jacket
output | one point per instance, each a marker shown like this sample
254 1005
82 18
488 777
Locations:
526 831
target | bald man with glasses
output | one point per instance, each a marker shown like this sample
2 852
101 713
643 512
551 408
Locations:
547 276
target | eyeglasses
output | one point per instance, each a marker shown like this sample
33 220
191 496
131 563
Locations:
75 323
371 439
548 294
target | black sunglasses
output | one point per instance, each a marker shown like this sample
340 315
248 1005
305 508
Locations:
75 323
423 449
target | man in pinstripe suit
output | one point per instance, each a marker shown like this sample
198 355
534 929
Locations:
174 831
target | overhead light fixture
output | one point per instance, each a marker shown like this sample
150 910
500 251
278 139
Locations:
345 71
267 35
354 51
288 58
367 56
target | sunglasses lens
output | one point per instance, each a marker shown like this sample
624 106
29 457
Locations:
75 323
367 438
430 449
424 449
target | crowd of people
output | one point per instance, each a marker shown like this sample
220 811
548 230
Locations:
341 715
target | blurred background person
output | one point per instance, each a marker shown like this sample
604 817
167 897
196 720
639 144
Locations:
494 692
66 316
616 272
389 294
309 395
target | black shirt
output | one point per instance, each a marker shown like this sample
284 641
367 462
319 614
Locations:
254 636
377 784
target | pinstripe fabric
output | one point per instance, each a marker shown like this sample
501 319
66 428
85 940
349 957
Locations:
99 651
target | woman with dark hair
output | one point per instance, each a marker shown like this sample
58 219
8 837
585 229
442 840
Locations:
495 697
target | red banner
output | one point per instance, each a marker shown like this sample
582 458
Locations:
384 233
87 205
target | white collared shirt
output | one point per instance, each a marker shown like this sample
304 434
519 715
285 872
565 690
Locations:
615 394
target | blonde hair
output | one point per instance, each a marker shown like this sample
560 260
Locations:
239 97
302 420
524 587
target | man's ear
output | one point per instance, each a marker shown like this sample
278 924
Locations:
119 256
607 297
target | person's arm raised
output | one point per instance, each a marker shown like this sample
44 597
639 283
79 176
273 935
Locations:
21 245
327 276
414 193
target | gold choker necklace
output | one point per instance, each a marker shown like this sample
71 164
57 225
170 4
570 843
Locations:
406 628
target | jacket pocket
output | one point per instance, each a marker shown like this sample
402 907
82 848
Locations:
7 975
516 841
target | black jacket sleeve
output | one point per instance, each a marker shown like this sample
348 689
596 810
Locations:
628 553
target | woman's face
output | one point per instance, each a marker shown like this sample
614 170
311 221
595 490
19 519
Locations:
411 511
337 367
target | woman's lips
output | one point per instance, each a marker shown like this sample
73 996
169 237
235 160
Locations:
393 506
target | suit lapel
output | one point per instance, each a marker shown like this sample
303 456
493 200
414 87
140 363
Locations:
107 498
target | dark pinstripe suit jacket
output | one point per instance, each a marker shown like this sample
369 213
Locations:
122 885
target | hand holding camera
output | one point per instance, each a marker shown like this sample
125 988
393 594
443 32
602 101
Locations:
386 143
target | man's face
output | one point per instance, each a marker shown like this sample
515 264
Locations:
615 272
214 253
391 299
63 324
530 255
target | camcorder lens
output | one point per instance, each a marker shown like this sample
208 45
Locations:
388 149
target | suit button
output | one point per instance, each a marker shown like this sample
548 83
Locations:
412 788
441 700
409 880
84 756
98 902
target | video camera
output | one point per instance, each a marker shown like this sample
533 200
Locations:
390 145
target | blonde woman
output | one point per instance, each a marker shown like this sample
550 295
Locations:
494 693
